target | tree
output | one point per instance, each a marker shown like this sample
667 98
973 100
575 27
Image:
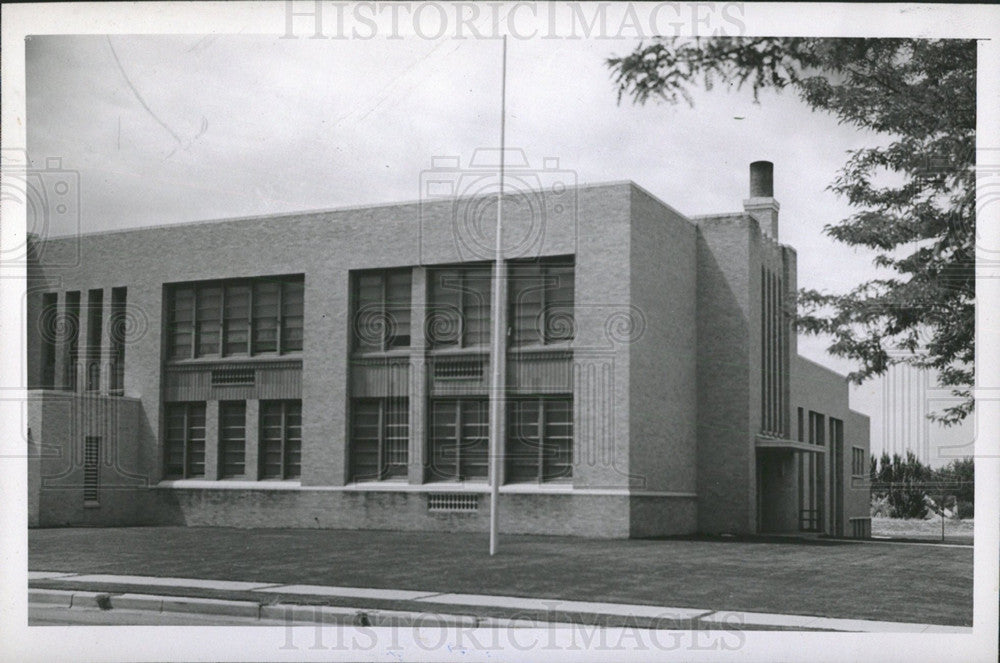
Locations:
915 195
958 479
905 481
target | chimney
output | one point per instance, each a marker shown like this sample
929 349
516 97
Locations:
761 204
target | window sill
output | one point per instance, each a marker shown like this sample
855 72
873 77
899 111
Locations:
450 350
376 354
236 359
91 504
537 348
227 484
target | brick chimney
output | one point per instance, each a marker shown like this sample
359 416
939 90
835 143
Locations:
761 204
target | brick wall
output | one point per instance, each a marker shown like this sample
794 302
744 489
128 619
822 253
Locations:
663 406
60 424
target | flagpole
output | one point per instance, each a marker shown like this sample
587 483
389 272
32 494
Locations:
499 336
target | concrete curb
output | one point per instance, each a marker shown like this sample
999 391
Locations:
51 597
211 606
149 602
292 612
256 604
137 602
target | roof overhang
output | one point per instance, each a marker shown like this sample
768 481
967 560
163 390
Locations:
764 442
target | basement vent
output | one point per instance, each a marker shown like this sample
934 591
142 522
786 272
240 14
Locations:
466 369
91 469
443 502
230 376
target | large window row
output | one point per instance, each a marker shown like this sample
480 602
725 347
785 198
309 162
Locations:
539 439
235 318
540 306
279 453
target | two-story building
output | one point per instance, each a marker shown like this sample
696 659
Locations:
332 369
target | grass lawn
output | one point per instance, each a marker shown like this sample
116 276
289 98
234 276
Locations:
893 582
955 531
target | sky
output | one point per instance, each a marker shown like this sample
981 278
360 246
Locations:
180 128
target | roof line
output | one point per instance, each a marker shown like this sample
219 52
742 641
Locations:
314 212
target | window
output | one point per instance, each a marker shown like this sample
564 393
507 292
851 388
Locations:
266 300
816 429
459 446
380 438
91 469
236 328
116 334
184 449
72 325
459 307
181 313
859 464
541 302
236 318
280 439
95 310
836 430
773 374
382 310
232 438
208 328
49 331
292 316
540 439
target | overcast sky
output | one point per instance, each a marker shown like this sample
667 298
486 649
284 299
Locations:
170 129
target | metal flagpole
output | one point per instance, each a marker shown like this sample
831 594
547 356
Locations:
499 336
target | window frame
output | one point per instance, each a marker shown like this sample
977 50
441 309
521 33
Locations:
286 284
547 285
187 407
460 421
223 440
544 441
386 471
817 428
864 462
463 292
71 343
117 326
381 308
285 451
94 340
48 351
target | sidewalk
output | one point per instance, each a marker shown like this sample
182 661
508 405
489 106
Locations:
360 606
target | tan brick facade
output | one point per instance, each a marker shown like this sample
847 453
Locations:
663 371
